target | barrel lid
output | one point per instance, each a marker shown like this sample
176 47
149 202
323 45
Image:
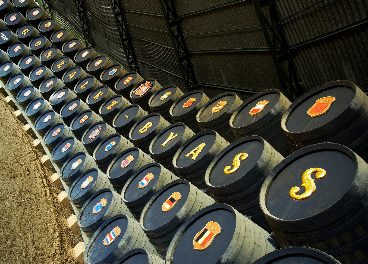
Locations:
4 4
135 256
73 165
123 163
25 93
126 116
142 89
126 82
245 153
13 18
167 138
15 49
165 205
5 36
83 55
84 84
37 73
60 64
25 31
15 81
54 133
59 35
110 72
162 96
70 108
58 96
71 45
26 61
62 149
83 184
48 54
142 182
21 3
72 74
34 106
97 95
44 120
96 64
79 120
94 132
34 13
37 43
144 126
110 105
196 142
6 68
186 103
106 147
48 85
46 25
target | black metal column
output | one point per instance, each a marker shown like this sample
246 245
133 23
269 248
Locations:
84 22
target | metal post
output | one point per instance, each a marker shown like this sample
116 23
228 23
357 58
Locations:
84 22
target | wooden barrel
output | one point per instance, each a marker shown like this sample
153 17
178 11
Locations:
26 33
83 121
186 108
28 63
143 184
335 112
72 46
125 119
72 109
39 74
192 159
111 107
139 256
48 26
23 5
17 51
326 214
161 101
218 234
261 115
39 44
66 149
85 86
164 145
98 96
60 66
35 15
126 83
87 184
59 37
168 209
60 97
101 206
16 83
4 57
142 92
125 164
8 70
8 38
6 7
108 149
37 108
55 135
126 234
46 121
95 134
27 95
49 86
112 74
97 65
83 56
72 76
145 129
300 255
14 20
76 165
50 55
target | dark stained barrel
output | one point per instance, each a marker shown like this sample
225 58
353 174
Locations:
39 44
17 50
16 83
55 135
6 7
261 115
4 57
126 83
37 108
335 112
108 149
28 63
168 209
71 47
26 33
60 97
87 184
35 15
97 65
236 175
95 134
65 149
142 185
161 101
83 56
72 76
139 256
112 74
49 86
142 92
218 234
39 74
50 55
98 96
75 166
23 5
83 121
60 66
186 108
145 129
300 255
2 25
216 114
72 109
27 95
101 206
192 159
59 37
111 107
48 26
125 164
47 121
85 86
164 145
121 234
7 39
14 20
8 70
317 197
126 118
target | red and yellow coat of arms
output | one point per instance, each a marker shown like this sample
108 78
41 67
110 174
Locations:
321 106
205 237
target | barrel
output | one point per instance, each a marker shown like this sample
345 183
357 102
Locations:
82 57
7 38
192 159
83 121
126 83
301 255
161 101
165 144
143 184
108 149
47 121
35 15
95 134
55 135
39 44
8 70
168 209
26 33
72 109
112 74
28 63
71 47
97 65
139 256
39 74
142 92
23 5
218 234
6 7
49 86
98 96
125 164
59 37
115 237
86 185
145 129
75 166
335 112
14 20
27 95
50 55
65 149
186 108
37 108
325 214
60 97
17 51
4 57
101 206
72 76
60 66
261 115
48 26
111 107
16 83
126 118
85 86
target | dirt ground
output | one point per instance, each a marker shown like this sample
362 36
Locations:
32 222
